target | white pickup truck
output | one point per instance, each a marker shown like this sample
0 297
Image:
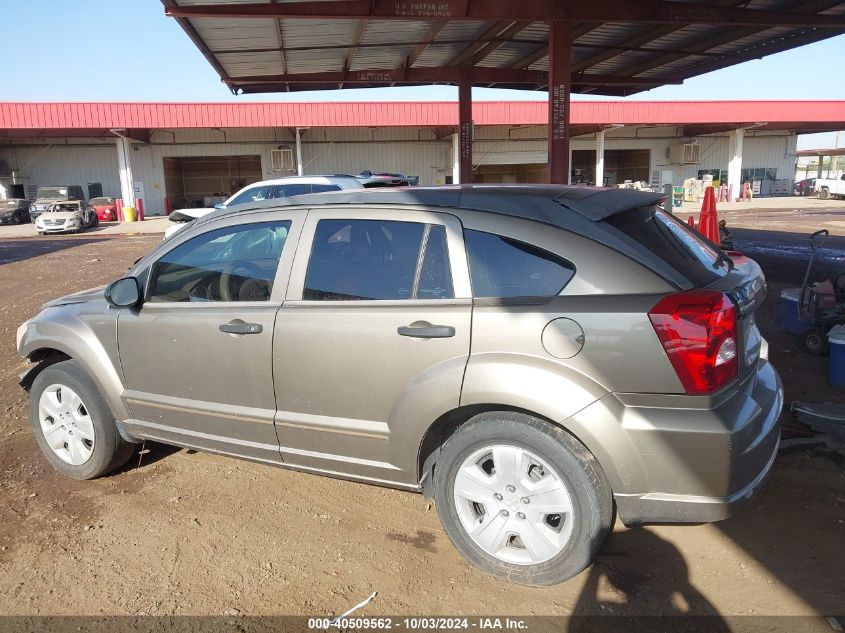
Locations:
829 188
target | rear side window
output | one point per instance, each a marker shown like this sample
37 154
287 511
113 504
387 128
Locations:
295 189
360 260
671 241
322 188
502 267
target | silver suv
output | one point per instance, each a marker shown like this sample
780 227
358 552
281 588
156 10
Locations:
535 358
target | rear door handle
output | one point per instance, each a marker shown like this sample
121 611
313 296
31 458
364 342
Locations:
239 327
427 331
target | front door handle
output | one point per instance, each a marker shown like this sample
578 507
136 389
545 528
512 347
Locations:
427 331
239 327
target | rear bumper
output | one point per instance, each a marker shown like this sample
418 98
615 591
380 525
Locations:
694 465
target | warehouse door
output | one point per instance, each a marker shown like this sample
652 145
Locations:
521 173
203 181
619 165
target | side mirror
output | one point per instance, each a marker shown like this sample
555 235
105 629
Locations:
124 293
220 205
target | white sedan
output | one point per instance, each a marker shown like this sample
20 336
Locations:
73 216
265 190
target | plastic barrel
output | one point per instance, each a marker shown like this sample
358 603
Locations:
836 339
128 214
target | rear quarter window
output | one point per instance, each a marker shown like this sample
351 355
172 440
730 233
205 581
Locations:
504 268
672 241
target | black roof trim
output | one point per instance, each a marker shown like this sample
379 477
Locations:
542 203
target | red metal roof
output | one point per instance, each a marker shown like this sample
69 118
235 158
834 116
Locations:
104 116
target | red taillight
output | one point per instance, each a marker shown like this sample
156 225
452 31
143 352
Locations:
698 331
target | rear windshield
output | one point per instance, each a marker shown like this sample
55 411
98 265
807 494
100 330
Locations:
672 241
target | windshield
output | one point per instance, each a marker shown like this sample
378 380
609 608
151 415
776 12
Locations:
99 201
52 193
69 206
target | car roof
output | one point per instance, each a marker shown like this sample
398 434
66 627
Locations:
542 203
308 180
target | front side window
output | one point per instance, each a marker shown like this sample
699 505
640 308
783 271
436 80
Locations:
262 192
503 268
235 263
359 260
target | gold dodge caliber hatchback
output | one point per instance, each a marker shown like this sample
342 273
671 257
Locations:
534 357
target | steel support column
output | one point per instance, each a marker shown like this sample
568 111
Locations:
560 57
124 165
465 131
599 179
299 169
735 139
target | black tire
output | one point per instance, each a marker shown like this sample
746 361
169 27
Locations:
40 233
580 472
814 341
824 193
110 450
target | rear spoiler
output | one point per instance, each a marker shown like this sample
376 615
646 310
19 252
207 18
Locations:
597 204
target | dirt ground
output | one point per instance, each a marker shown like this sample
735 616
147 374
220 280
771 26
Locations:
179 532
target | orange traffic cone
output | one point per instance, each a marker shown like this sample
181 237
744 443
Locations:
704 216
715 237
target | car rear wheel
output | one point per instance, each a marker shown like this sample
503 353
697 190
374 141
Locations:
824 193
73 426
522 499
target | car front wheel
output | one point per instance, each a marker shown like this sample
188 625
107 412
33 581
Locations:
73 425
522 499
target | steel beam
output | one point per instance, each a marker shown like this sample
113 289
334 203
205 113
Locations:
560 62
642 11
465 131
448 75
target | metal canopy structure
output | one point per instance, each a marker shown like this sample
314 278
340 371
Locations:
611 47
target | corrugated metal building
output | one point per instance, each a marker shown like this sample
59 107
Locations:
187 152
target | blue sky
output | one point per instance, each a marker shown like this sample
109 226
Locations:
127 50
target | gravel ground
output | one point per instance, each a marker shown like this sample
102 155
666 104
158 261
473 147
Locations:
179 532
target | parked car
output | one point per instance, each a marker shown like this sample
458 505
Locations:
384 179
831 188
267 190
47 196
73 216
806 187
14 211
105 208
534 357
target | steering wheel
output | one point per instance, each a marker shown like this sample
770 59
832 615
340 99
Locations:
254 289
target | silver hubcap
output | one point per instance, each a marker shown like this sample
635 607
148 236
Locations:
66 424
513 505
